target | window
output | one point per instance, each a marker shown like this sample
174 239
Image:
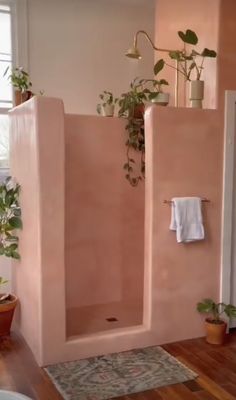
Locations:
5 87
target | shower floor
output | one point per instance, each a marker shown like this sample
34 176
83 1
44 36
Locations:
95 318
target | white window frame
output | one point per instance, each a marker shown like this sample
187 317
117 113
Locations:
4 110
227 236
19 44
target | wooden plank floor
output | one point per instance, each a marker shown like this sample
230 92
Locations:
215 365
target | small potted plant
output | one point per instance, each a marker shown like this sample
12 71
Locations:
190 65
156 94
132 103
107 108
10 220
21 83
215 325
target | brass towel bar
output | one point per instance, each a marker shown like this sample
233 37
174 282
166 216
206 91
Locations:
170 201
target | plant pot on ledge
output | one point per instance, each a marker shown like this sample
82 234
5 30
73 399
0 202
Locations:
21 97
161 99
196 93
7 309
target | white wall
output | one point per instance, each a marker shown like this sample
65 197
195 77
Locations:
76 48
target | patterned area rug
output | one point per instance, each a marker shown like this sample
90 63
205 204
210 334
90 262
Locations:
114 375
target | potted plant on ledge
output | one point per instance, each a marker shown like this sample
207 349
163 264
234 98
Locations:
107 108
215 325
21 83
10 220
156 94
190 65
132 107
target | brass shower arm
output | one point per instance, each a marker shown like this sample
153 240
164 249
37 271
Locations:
149 40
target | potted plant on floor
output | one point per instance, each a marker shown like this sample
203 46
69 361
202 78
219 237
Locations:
10 220
21 83
107 108
191 65
215 325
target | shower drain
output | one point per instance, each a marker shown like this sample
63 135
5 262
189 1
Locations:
111 319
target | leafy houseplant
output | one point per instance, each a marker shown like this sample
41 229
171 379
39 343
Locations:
10 219
132 106
20 81
190 65
215 326
192 61
156 93
108 104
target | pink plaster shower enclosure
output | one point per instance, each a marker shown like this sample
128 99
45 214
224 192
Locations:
44 160
82 244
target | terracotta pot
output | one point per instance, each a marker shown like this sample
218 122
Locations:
17 98
26 95
215 333
139 111
21 97
6 315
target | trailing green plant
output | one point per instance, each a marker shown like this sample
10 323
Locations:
208 306
135 98
107 99
132 105
19 79
10 218
188 62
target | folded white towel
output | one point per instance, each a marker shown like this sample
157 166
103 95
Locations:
186 219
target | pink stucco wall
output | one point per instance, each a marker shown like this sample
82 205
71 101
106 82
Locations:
104 215
26 273
184 153
201 16
104 220
37 162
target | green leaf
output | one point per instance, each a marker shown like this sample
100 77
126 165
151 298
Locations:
15 255
206 306
175 55
3 281
159 66
13 246
153 95
208 53
163 82
189 37
230 311
15 222
195 53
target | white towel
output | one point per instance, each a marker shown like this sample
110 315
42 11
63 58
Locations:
186 219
